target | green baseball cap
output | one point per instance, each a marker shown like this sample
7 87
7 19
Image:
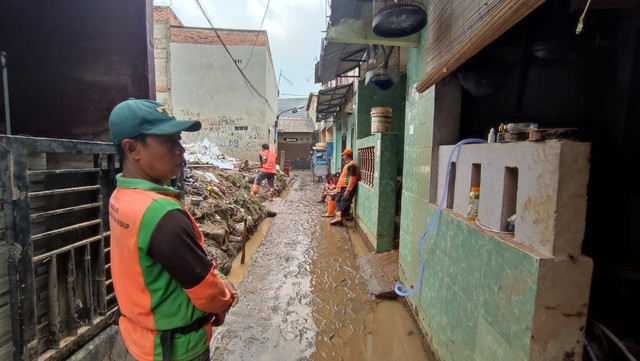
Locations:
133 117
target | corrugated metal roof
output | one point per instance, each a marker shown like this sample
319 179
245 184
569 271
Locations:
337 59
331 99
296 125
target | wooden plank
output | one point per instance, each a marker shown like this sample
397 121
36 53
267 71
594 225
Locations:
44 256
39 236
72 324
62 171
54 311
459 29
87 283
6 352
65 210
63 191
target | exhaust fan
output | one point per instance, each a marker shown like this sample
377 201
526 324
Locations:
395 19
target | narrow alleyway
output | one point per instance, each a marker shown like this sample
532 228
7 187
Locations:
303 296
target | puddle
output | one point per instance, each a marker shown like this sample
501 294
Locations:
353 325
238 270
302 296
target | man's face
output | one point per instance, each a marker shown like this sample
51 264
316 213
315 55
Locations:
161 158
345 157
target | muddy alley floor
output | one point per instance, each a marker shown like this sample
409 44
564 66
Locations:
303 296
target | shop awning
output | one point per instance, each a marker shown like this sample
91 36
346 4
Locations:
330 100
337 59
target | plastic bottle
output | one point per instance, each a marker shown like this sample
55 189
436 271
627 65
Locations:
492 136
474 202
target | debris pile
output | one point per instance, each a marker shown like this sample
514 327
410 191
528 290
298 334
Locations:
221 203
205 152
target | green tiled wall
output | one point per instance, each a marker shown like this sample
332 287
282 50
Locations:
477 294
471 282
375 206
369 96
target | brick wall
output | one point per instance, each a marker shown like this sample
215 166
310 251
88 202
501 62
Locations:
165 13
162 57
209 37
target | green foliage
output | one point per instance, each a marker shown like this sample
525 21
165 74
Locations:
251 204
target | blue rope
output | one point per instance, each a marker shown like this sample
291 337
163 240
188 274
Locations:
400 289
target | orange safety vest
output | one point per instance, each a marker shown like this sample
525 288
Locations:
149 299
347 180
270 165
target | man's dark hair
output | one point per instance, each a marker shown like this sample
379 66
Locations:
142 138
265 146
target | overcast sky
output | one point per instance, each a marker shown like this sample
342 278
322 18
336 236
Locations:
294 28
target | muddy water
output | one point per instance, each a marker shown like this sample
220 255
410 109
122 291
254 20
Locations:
303 298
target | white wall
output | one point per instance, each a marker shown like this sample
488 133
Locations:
206 85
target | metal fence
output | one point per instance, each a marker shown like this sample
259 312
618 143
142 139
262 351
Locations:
56 232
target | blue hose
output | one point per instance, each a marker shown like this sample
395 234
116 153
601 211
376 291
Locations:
400 289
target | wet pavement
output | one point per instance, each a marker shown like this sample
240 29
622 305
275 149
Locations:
303 296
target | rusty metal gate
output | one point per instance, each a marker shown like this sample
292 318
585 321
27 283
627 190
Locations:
58 292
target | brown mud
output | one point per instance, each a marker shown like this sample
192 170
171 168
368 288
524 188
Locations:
226 206
304 298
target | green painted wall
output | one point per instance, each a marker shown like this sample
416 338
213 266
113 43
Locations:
369 96
476 299
375 206
337 147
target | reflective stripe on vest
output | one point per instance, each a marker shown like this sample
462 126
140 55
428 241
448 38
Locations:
345 178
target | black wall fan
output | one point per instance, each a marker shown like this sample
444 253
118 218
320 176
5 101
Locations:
398 18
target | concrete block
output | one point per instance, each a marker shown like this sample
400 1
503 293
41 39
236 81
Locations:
561 305
550 190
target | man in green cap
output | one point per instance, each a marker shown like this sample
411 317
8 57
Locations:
169 293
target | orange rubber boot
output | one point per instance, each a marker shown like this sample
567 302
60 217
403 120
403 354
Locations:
331 206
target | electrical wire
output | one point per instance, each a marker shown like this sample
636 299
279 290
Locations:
400 289
581 21
246 80
257 36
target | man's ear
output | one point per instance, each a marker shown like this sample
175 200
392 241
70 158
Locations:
131 149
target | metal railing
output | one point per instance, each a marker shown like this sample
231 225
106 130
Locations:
367 165
56 230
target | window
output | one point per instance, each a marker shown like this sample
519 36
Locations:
238 61
367 165
290 139
243 127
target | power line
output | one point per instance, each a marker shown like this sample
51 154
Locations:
257 36
247 81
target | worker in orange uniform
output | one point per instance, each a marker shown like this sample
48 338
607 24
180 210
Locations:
330 190
348 185
169 293
267 160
